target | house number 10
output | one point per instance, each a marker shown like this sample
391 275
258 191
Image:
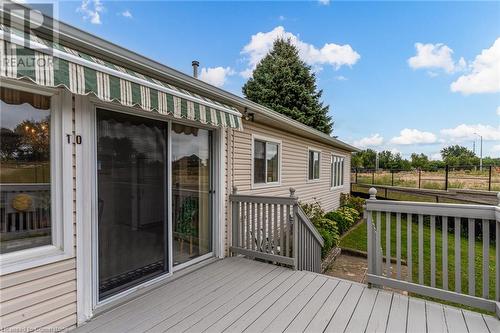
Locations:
77 139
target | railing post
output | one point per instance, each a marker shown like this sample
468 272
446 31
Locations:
373 176
235 208
372 256
356 174
392 177
295 219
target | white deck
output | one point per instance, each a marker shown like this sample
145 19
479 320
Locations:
236 295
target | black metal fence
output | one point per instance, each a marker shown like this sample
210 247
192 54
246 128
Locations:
470 177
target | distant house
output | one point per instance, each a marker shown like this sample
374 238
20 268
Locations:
142 162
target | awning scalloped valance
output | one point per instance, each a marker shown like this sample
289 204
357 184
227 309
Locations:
50 64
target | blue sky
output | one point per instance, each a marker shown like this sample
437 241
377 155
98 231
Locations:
385 91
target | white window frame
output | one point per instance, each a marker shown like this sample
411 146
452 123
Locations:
61 186
309 150
340 170
266 140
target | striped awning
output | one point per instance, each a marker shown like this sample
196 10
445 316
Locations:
26 56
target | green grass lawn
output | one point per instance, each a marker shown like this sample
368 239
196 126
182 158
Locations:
357 240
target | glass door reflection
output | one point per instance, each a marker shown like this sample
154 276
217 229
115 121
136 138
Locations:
191 192
132 223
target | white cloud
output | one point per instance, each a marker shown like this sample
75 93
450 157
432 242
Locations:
216 76
484 75
126 13
370 141
467 132
409 136
324 2
495 148
498 110
435 157
330 54
340 78
435 56
91 10
281 18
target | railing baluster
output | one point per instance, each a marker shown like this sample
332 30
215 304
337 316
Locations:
269 235
254 225
248 231
288 231
497 260
398 245
282 230
379 244
433 251
471 260
369 234
235 222
256 234
409 248
388 244
444 258
264 226
458 269
486 258
275 230
420 249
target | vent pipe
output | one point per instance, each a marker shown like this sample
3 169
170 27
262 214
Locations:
195 64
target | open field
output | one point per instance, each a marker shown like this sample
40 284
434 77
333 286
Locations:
457 179
385 192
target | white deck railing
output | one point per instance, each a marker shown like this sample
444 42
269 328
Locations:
274 229
471 284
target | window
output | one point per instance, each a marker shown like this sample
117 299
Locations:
314 164
337 171
25 179
35 206
265 162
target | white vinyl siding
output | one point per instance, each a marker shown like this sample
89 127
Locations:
294 166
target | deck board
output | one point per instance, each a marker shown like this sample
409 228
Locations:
242 295
377 321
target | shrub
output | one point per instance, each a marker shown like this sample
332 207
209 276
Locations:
342 218
328 230
350 211
313 210
347 200
328 242
326 227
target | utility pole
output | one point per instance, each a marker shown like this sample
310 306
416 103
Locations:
480 151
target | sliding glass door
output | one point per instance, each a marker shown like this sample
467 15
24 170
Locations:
133 169
191 192
132 195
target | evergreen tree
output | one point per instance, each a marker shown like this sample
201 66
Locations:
284 83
